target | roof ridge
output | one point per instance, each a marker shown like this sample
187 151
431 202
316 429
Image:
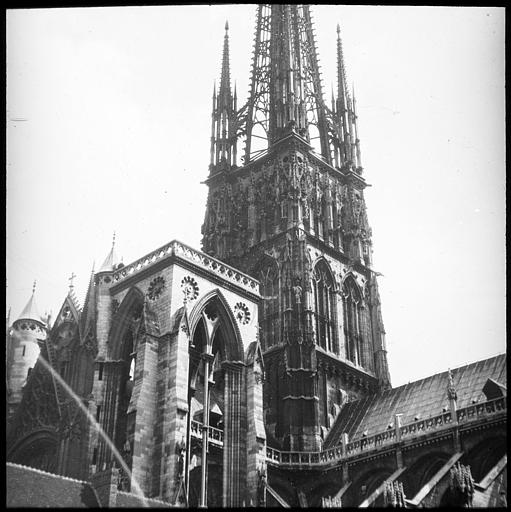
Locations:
446 370
144 497
41 471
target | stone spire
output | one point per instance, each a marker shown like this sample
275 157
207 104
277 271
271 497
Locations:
223 131
89 305
225 75
346 149
342 88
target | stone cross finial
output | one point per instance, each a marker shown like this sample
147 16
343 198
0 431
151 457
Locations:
70 279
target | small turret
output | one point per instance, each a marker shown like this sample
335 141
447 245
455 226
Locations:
24 336
102 300
111 261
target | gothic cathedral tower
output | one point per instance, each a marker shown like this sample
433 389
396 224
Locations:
293 215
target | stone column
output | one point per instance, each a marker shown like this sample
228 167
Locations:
234 462
176 410
256 434
144 399
105 485
399 454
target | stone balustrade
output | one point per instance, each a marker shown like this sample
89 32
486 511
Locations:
423 426
484 409
366 444
180 250
215 435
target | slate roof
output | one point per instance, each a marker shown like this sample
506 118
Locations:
110 262
422 399
29 487
30 311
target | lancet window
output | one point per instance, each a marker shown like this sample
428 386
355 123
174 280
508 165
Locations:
324 310
268 276
352 306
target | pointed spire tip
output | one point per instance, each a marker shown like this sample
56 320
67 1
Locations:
226 25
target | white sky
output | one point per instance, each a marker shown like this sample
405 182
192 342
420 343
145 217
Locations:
117 105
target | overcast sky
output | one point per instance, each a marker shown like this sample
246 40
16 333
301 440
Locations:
108 119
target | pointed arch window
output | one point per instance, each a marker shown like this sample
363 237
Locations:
352 305
268 276
324 311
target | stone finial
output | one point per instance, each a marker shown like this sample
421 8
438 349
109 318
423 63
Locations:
394 495
451 389
461 484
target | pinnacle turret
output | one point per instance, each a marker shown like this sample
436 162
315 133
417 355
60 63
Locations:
223 132
111 260
30 311
345 141
89 306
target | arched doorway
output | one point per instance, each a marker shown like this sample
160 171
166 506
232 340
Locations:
38 450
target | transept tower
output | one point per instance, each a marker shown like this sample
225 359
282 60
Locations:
294 216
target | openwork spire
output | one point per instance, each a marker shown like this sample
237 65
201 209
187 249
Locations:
286 92
285 96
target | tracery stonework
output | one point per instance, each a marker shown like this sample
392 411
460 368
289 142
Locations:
156 287
190 288
242 313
